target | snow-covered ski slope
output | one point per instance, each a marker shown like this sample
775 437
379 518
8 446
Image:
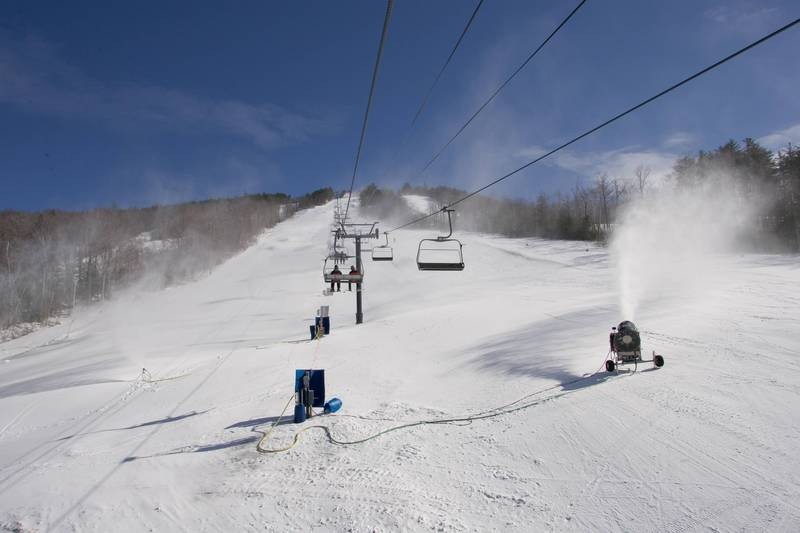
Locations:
707 443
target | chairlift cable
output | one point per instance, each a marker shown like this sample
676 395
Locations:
611 120
425 98
500 88
384 32
447 62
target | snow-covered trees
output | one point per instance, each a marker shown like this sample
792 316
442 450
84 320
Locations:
53 260
768 181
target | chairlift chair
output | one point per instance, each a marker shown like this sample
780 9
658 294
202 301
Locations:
337 252
383 252
442 253
339 256
328 276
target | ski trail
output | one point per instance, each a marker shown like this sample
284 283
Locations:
19 416
707 442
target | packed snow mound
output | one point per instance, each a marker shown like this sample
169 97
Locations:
420 204
91 442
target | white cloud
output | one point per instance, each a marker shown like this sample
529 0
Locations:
34 77
532 152
743 16
680 139
779 139
620 163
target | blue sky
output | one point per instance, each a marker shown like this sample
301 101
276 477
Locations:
143 102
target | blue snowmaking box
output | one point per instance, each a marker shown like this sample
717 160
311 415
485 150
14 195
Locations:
317 384
323 323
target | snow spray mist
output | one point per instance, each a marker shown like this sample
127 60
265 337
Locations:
665 244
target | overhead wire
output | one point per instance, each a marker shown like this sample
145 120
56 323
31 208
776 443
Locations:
447 62
516 405
500 88
427 95
384 32
608 121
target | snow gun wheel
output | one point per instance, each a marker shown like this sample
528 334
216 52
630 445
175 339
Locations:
610 366
658 360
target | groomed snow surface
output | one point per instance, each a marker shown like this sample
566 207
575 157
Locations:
707 443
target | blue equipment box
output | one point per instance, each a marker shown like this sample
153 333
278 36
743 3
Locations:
317 384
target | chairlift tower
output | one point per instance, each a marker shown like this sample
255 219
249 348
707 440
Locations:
357 232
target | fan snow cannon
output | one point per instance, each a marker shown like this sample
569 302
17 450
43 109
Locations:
625 345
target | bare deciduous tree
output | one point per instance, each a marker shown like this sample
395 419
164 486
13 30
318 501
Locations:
54 260
642 175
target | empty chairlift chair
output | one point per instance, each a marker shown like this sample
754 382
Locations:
442 253
383 252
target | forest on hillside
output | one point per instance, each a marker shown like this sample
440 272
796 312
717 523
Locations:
52 261
759 179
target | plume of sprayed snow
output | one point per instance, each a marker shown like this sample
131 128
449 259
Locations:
667 243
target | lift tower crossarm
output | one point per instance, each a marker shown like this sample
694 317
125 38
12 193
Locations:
358 232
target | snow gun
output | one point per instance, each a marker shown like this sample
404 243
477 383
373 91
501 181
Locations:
626 348
309 388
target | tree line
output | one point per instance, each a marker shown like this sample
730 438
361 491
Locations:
52 261
768 180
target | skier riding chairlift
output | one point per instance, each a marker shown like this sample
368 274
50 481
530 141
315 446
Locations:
353 272
336 278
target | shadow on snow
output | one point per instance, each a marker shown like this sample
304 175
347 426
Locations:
252 424
548 349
